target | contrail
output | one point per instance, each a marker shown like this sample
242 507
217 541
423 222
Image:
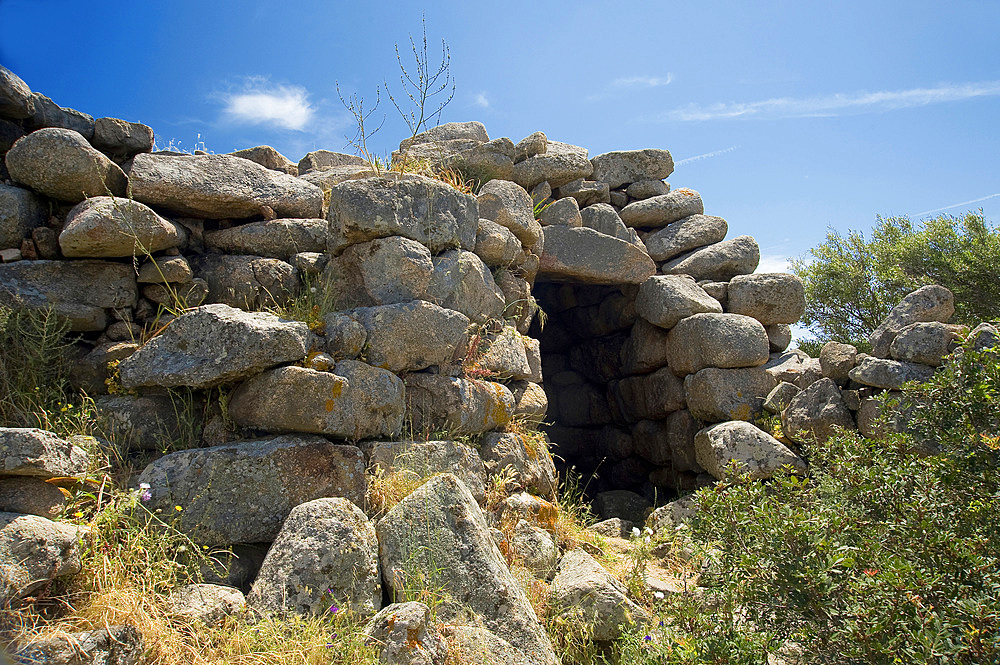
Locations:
956 205
706 155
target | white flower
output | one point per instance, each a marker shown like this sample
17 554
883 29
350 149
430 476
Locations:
635 532
658 595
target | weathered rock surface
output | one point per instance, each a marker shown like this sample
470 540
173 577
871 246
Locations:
49 114
30 496
275 238
143 422
20 212
422 209
104 226
564 212
412 335
559 164
61 164
353 401
269 158
531 145
496 245
646 189
627 166
435 403
716 340
645 349
462 282
165 269
889 374
423 459
925 343
220 187
928 303
671 515
719 262
622 503
648 396
536 549
381 272
326 555
588 256
658 211
527 456
242 492
753 451
778 399
664 300
584 592
768 297
816 413
837 360
215 344
113 645
15 96
508 205
715 394
120 139
246 282
321 160
405 635
34 550
454 542
208 603
35 452
685 235
586 192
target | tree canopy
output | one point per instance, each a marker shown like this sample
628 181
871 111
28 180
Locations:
852 282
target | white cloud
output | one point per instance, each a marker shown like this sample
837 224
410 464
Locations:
836 104
957 205
772 263
715 153
287 107
481 101
642 81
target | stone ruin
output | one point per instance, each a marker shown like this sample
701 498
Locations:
583 293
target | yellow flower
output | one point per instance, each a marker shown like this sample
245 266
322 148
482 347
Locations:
178 508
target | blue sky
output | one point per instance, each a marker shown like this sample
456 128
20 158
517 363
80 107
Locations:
790 118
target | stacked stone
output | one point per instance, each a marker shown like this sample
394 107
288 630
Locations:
909 345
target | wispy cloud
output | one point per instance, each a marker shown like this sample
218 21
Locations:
696 158
261 103
957 205
642 81
481 100
835 104
772 263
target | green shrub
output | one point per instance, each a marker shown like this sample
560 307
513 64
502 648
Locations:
879 555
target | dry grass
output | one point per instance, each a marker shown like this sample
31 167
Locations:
385 490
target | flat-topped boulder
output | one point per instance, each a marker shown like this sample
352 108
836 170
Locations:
435 403
719 262
816 413
623 167
561 163
743 448
274 238
61 164
422 209
716 340
220 187
269 158
33 551
414 335
28 451
768 297
242 492
685 235
380 272
352 401
104 226
588 256
121 139
664 300
215 344
321 160
658 211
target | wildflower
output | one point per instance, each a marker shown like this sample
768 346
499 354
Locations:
178 508
870 572
333 609
78 514
635 532
661 623
648 638
312 289
144 492
658 595
330 644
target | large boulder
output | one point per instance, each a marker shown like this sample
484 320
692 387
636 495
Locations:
422 209
220 187
496 245
326 555
928 303
215 344
49 114
30 496
111 645
685 235
836 360
584 592
719 262
406 635
16 101
414 335
322 160
79 291
664 300
508 205
453 553
242 492
438 403
34 551
269 158
560 164
36 452
20 212
768 297
926 343
61 164
716 340
207 603
246 282
714 394
505 354
104 226
627 166
527 458
588 256
145 422
658 211
380 272
353 401
648 396
462 282
275 238
740 447
645 349
603 217
120 139
423 459
816 413
889 374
